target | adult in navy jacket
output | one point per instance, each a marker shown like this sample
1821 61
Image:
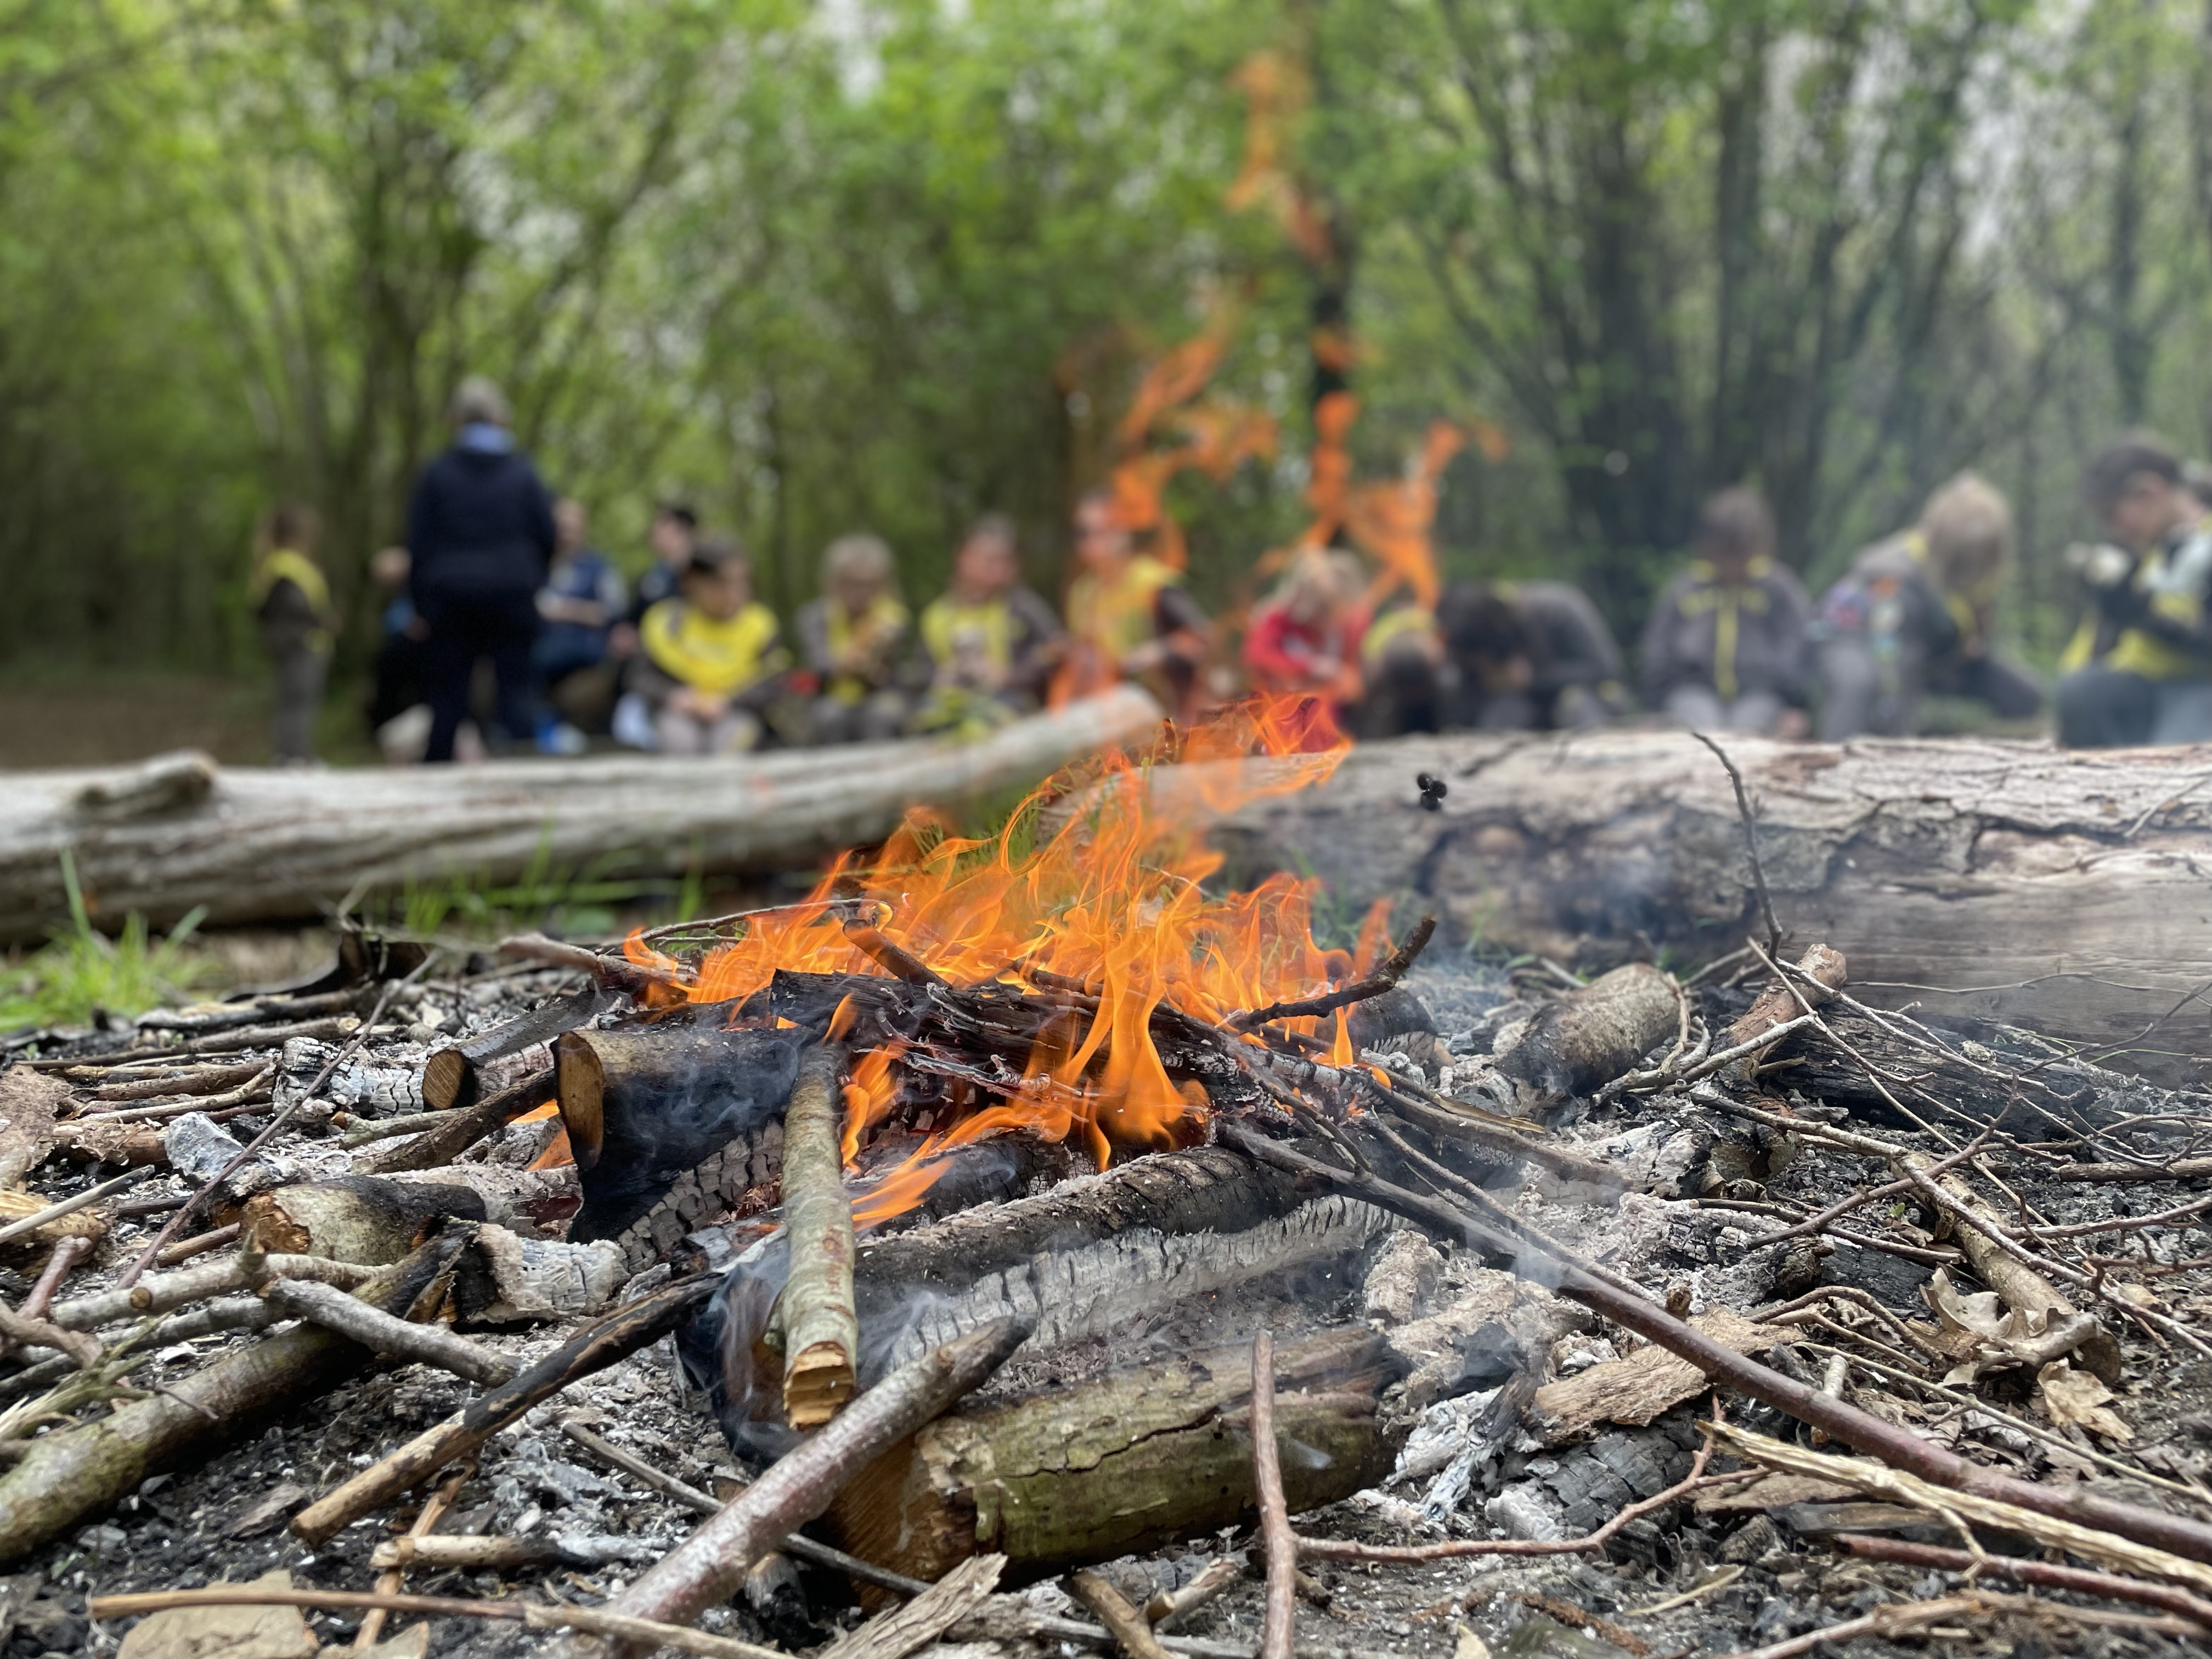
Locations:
480 530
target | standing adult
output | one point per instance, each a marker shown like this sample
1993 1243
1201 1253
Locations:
2139 670
480 533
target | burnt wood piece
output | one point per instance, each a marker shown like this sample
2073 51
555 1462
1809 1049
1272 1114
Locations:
261 845
1086 1259
229 1017
1124 1464
592 1349
2052 890
460 1129
65 1477
647 1105
361 1218
451 1076
362 959
1581 1041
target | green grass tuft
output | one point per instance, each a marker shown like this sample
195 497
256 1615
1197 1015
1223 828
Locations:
81 970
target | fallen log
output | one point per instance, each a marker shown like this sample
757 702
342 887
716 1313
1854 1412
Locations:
257 845
1134 1460
1983 880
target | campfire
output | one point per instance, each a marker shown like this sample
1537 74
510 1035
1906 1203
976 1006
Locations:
1003 1243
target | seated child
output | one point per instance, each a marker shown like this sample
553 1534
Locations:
992 642
855 647
582 598
1306 636
709 662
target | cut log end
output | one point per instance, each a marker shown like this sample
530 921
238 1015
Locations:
818 1382
448 1080
581 1081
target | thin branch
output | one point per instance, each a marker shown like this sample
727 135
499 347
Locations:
1750 843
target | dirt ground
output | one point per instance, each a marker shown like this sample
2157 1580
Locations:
101 721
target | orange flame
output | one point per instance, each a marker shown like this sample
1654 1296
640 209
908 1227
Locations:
1111 900
1217 438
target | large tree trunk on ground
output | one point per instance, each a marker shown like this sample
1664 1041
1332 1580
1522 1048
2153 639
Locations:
255 845
1982 880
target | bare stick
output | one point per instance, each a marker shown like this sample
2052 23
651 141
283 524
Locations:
1896 1446
618 972
1883 1621
2080 1580
530 1614
1385 978
1279 1620
1750 843
1167 1608
186 1248
1114 1611
68 1206
209 1187
598 1345
165 1291
65 1255
392 1581
821 1330
692 1498
708 1566
432 1344
40 1333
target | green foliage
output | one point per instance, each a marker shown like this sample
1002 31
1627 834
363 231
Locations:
81 972
895 264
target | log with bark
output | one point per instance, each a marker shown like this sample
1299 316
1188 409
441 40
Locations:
1134 1460
258 845
819 1331
1984 880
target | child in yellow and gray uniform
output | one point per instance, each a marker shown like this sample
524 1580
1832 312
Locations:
2140 669
709 662
1911 618
292 605
855 645
1724 650
992 643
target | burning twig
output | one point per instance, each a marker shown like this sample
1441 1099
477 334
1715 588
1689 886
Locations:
1385 978
175 1223
2042 1574
444 1136
598 1345
710 1564
815 1315
1114 1611
1750 843
1278 1623
614 973
892 958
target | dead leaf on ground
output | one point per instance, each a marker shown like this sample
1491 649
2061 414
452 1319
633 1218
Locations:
233 1632
2074 1398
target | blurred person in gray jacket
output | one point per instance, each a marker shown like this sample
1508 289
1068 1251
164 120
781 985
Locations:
1725 649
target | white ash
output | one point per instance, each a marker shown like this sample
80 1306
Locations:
200 1148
